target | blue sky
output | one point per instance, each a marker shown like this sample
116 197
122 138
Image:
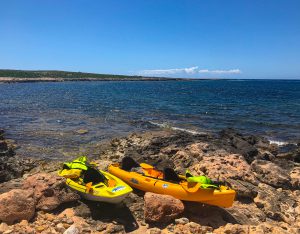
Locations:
232 39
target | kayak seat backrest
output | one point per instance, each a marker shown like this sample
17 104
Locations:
128 163
171 175
94 176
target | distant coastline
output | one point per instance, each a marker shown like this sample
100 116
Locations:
50 79
31 76
23 76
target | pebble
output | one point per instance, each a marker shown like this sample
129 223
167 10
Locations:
86 230
154 231
143 223
56 221
3 227
85 225
182 221
29 230
112 228
171 228
69 221
72 230
91 221
40 228
25 176
66 225
8 231
101 227
50 217
24 223
52 231
60 227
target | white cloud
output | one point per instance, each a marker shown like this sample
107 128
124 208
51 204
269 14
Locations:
190 70
231 71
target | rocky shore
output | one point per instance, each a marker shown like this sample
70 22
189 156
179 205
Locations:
33 199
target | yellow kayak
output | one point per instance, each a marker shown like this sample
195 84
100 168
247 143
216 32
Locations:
152 180
93 184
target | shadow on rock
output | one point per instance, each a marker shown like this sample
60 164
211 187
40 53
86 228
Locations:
206 215
105 212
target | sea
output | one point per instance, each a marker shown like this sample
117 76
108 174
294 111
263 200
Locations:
55 119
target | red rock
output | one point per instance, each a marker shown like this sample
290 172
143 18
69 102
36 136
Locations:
69 213
184 158
190 228
233 229
17 205
246 213
259 229
278 204
161 208
79 221
231 166
295 177
244 189
49 190
48 203
198 149
181 160
270 173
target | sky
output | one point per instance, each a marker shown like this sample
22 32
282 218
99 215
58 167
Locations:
176 38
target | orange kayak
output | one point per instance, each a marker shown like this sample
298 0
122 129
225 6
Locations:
183 190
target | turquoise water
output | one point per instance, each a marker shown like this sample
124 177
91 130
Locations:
49 114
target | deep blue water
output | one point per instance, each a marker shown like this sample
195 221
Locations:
48 114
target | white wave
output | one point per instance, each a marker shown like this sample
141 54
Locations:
165 125
279 143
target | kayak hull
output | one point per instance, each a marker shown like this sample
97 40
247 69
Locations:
100 192
113 200
222 198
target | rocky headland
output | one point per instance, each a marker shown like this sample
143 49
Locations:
33 199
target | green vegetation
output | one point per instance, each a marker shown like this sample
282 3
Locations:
60 74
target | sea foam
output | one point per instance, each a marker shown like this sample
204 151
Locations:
279 143
166 125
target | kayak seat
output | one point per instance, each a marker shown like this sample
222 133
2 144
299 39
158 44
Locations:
94 176
153 173
171 175
128 163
